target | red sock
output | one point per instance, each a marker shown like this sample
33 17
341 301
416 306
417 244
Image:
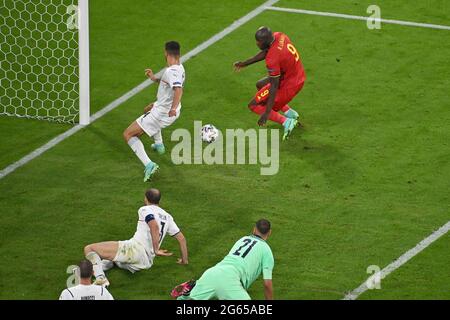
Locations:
274 116
285 108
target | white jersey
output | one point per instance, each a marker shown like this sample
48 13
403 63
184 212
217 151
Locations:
172 77
165 222
86 292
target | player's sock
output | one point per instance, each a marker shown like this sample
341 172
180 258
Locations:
94 258
289 112
274 116
285 108
158 146
138 147
158 138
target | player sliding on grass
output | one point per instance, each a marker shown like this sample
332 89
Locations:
160 114
231 278
138 252
285 80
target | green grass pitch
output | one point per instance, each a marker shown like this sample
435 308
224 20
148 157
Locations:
364 181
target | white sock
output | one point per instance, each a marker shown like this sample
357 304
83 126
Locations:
158 137
138 147
94 258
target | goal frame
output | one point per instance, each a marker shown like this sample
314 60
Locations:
83 53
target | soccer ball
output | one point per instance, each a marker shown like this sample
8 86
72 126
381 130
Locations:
209 133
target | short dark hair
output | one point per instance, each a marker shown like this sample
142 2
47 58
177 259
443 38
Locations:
263 226
173 48
153 196
86 269
264 35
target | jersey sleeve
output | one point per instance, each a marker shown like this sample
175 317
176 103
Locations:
175 77
66 295
267 264
107 295
172 228
273 65
145 214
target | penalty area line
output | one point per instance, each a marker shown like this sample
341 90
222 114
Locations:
352 17
404 258
113 105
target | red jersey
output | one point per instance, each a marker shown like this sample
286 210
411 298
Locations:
283 60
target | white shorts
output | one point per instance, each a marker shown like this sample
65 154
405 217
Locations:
152 124
131 255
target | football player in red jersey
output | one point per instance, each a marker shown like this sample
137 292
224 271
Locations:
285 80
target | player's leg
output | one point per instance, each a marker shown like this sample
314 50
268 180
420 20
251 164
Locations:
164 122
233 291
131 256
229 285
131 136
95 253
148 124
107 264
283 97
158 146
205 287
289 112
258 105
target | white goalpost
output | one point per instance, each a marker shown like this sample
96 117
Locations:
83 44
44 60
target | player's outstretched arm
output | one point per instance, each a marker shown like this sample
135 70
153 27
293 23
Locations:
149 73
268 289
183 248
242 64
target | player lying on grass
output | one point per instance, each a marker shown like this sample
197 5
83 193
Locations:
138 252
230 278
86 290
160 114
285 80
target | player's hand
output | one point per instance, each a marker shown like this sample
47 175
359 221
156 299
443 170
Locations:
238 66
172 113
149 73
163 253
263 119
180 261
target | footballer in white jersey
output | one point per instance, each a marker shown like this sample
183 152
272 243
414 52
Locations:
161 113
153 224
85 290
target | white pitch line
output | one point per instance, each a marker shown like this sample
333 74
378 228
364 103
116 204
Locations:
401 260
236 24
352 17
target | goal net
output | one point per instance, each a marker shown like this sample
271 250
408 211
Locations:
44 60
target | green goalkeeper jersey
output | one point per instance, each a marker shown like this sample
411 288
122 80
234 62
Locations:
250 256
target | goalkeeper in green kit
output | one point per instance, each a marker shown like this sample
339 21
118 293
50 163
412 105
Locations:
230 278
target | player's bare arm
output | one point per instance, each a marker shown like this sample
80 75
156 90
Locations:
149 73
154 231
274 83
242 64
268 289
178 92
183 248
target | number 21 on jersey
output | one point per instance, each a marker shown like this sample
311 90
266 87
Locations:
246 243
